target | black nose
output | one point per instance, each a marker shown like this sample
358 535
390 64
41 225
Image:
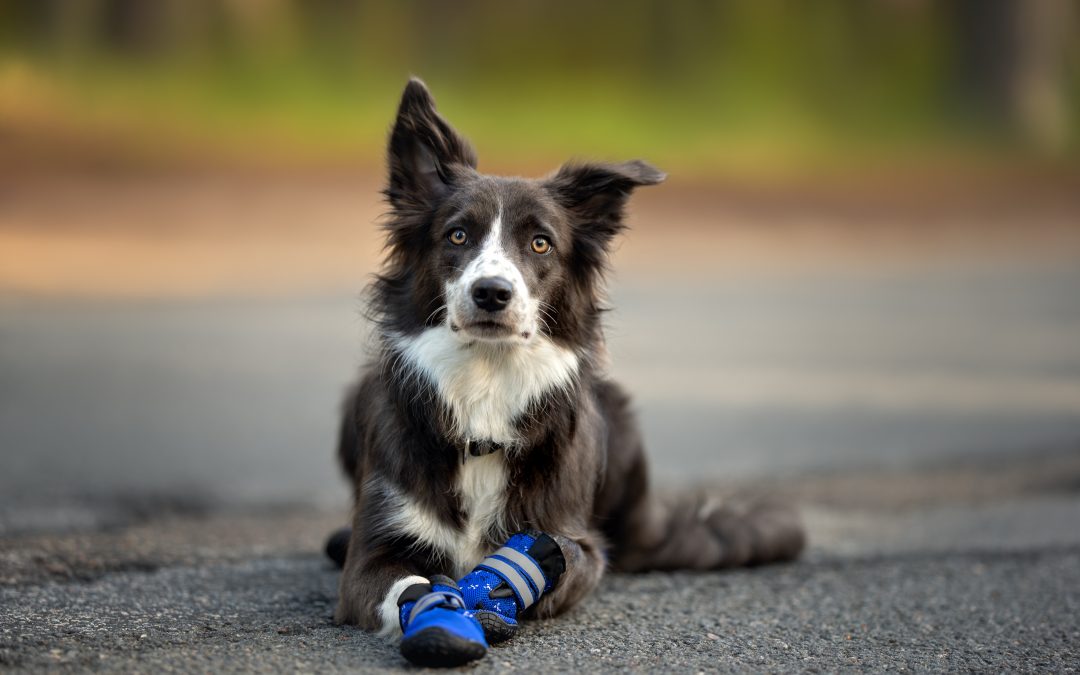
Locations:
492 293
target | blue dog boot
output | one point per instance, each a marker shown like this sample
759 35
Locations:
511 580
437 630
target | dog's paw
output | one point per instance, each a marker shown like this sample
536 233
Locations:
511 580
437 630
440 647
337 546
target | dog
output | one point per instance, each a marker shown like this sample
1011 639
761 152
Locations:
497 470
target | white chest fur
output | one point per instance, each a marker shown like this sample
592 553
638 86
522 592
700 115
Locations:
487 386
481 488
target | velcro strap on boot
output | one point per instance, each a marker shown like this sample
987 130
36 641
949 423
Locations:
436 599
413 593
520 572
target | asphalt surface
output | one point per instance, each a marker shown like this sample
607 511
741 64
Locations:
976 579
991 611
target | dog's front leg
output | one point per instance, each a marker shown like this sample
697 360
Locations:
382 590
532 573
585 565
371 585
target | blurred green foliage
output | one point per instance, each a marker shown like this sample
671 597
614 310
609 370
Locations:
757 85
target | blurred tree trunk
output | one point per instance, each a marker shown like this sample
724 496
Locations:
1038 87
68 26
135 26
1012 57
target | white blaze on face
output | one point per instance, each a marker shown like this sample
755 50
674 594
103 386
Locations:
492 261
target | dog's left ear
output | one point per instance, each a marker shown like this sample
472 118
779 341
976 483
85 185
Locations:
595 194
425 154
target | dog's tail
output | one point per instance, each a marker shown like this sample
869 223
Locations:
702 532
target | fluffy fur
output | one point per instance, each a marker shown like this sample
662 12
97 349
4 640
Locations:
489 318
487 387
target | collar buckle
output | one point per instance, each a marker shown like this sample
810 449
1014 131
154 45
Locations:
473 448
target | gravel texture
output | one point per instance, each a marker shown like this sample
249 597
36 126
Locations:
984 611
974 584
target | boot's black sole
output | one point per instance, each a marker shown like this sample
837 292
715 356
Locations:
437 647
496 628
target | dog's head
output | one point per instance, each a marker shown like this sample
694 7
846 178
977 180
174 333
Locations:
495 259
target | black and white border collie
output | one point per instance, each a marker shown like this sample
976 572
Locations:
488 410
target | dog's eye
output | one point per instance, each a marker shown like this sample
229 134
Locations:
541 245
458 237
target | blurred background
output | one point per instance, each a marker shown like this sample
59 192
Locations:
866 260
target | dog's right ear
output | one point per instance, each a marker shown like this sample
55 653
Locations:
426 155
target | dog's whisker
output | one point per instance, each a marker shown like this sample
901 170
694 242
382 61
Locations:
437 310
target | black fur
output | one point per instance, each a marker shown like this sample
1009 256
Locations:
579 473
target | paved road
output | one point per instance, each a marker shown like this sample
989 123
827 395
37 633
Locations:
993 611
968 583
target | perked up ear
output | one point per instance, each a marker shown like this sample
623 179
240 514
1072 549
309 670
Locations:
595 194
425 152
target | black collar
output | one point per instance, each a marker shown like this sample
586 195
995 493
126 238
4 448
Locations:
479 449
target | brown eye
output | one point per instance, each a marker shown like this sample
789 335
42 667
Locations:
541 245
458 237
